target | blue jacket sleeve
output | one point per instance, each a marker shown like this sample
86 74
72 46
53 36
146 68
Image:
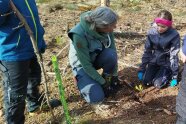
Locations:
4 8
184 45
175 46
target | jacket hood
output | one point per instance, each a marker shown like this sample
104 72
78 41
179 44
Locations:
86 26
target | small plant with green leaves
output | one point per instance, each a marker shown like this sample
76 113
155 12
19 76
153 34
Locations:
60 40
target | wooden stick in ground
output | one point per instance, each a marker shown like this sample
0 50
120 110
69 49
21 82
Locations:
60 52
39 57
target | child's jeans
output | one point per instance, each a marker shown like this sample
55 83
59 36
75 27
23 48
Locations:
20 82
158 76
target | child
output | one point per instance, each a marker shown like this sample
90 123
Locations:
160 58
181 98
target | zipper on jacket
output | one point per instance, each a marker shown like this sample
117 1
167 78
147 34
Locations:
19 37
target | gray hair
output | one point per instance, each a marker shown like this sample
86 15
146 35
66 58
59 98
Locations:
101 17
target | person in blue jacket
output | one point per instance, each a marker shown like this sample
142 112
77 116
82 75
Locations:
18 63
181 97
160 58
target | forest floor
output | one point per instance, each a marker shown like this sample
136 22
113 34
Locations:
150 106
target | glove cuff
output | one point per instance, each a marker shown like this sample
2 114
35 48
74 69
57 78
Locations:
107 77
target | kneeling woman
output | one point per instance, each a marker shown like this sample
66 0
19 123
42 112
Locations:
92 47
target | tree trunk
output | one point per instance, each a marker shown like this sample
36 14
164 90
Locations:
105 3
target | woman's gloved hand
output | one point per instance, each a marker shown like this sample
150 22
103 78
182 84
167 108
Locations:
173 82
115 83
106 89
106 86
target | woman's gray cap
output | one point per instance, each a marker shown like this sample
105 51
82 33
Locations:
101 17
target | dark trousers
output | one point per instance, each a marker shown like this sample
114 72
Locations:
181 99
90 89
180 120
20 82
156 75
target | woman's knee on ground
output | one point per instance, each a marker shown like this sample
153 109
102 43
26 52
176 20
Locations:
93 94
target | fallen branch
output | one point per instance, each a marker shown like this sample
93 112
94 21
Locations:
112 101
50 73
167 111
66 67
128 65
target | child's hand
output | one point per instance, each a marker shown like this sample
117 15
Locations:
173 82
140 75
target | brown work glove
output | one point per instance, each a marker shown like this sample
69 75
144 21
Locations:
107 85
115 83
